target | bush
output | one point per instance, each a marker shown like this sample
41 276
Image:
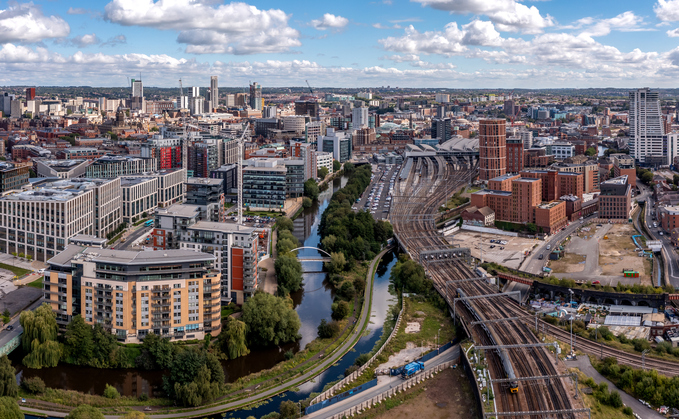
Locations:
350 370
111 392
33 385
346 291
328 330
628 411
340 310
362 359
85 411
143 397
306 202
614 399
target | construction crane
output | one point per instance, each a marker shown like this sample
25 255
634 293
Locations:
181 91
310 89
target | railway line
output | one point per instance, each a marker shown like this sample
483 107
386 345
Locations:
419 194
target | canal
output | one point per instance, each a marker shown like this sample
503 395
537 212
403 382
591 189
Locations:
312 304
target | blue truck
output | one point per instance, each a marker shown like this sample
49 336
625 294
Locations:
412 368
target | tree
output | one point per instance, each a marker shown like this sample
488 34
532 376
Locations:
327 330
323 172
233 337
33 385
408 276
347 290
337 262
289 274
647 177
195 377
78 343
336 166
135 414
531 227
85 411
8 384
591 151
111 392
270 320
306 202
39 338
156 353
9 409
311 189
340 310
284 223
288 410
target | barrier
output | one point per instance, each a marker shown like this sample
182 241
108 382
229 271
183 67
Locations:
354 375
329 402
426 357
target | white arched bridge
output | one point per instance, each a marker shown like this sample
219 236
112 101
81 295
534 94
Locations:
312 259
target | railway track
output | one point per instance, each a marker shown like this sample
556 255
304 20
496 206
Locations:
420 194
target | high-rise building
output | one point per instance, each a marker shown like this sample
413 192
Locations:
359 118
30 93
195 91
214 92
137 88
441 129
492 148
306 107
256 96
646 127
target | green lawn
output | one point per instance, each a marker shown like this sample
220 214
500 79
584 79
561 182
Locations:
37 283
19 272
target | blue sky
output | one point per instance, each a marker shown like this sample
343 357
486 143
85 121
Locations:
353 43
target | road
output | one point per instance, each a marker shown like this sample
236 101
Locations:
265 394
131 237
532 263
7 335
450 354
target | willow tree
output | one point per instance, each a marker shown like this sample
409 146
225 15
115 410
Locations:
8 382
39 339
234 338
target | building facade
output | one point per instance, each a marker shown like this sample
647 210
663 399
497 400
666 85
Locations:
109 167
492 148
615 200
646 127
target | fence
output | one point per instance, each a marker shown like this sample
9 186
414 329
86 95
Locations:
354 375
325 403
405 385
426 357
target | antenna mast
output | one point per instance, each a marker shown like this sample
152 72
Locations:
240 173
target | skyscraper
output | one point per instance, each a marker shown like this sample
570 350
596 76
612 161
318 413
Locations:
492 148
646 127
137 88
359 118
256 96
214 92
195 91
30 93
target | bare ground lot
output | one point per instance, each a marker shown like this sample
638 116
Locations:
569 263
511 256
617 253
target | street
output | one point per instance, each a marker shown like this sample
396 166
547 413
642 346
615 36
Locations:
532 263
130 238
450 354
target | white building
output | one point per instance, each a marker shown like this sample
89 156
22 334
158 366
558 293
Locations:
312 130
324 160
527 138
365 95
39 222
563 150
442 98
672 142
140 195
214 91
646 127
63 169
359 118
294 123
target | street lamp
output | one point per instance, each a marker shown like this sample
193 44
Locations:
438 351
643 359
572 348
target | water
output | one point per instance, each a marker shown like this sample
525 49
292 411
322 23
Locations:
602 149
312 304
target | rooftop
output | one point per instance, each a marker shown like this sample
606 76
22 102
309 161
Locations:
128 257
620 180
61 190
506 176
134 180
493 192
179 210
548 205
204 181
221 227
116 159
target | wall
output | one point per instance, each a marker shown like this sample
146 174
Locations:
489 230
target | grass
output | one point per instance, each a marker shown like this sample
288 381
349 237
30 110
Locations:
599 410
36 284
19 272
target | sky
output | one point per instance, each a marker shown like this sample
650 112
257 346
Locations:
349 43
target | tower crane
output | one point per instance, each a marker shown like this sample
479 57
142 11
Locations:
310 89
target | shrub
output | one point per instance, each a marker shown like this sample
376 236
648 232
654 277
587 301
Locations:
362 359
111 392
628 411
350 370
327 330
143 397
340 310
33 385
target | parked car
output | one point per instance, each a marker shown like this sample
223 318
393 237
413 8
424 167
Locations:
541 257
596 282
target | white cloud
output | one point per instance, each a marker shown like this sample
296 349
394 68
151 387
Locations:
401 58
234 28
624 22
329 21
85 40
27 23
507 15
115 40
77 11
673 33
667 10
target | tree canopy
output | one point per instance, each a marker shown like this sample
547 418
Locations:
323 172
311 189
9 409
233 338
8 382
196 377
39 339
270 320
408 276
336 165
156 353
288 273
85 411
284 223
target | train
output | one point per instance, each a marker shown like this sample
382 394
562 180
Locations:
502 353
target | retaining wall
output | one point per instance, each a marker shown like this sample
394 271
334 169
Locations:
359 408
489 230
354 375
469 371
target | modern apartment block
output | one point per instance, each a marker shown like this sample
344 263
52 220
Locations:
172 293
140 195
324 160
170 222
590 169
336 143
13 176
307 153
229 174
235 249
615 200
515 159
646 127
623 164
492 148
167 150
208 194
109 167
264 184
63 169
39 222
556 184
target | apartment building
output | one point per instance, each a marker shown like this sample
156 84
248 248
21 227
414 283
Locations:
13 176
515 159
615 200
492 148
646 127
623 164
590 169
208 194
264 184
171 221
167 150
307 153
109 167
172 293
39 222
235 249
229 174
324 160
556 184
63 169
140 195
89 153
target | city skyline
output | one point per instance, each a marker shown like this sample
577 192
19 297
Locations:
417 43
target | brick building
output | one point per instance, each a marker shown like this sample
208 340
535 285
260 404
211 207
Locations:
615 200
492 148
515 155
623 164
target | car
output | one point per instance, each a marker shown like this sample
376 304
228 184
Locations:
41 271
549 247
541 257
10 327
596 282
502 248
492 246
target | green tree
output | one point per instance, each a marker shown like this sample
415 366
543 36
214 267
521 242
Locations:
270 320
8 384
531 228
337 262
288 410
111 392
85 411
78 343
33 385
195 377
233 338
340 310
288 273
336 166
9 409
156 353
135 414
347 290
323 172
591 151
349 168
307 202
39 337
284 223
408 276
647 177
311 189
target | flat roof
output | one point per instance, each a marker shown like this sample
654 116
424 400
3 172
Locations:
493 192
136 180
527 179
127 257
221 227
60 190
204 181
180 210
504 177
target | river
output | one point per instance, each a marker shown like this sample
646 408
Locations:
312 304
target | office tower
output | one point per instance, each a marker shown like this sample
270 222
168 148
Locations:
306 107
492 148
194 91
441 129
270 112
214 92
137 88
256 96
359 118
30 93
646 127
